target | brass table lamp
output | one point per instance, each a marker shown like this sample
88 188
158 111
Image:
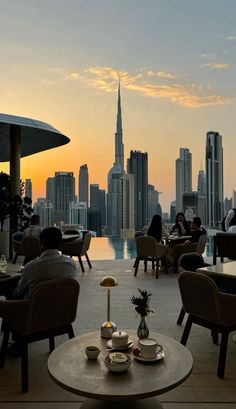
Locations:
108 327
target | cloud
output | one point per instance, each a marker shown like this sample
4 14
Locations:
215 66
231 38
152 84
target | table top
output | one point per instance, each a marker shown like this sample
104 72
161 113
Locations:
69 368
224 269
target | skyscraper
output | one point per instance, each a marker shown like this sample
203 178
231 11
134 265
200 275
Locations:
114 183
201 189
183 176
214 178
64 194
83 184
137 165
50 190
28 188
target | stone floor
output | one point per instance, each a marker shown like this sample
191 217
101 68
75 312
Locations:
201 390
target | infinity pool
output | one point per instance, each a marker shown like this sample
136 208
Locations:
109 248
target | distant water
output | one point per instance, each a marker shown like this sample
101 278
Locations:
112 248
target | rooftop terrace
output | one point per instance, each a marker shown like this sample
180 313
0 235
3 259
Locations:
202 390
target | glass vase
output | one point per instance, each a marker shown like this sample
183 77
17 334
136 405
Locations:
143 331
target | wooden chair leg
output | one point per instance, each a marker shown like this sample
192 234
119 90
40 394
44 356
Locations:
186 332
157 268
3 351
88 261
14 259
135 261
222 356
51 344
71 332
24 367
136 266
81 263
181 316
153 264
214 334
145 266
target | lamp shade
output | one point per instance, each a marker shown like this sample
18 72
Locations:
109 281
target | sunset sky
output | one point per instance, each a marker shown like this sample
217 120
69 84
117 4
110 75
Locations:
60 62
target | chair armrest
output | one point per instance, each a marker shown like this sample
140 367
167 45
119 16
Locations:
226 308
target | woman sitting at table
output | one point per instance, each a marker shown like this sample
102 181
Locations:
181 226
158 230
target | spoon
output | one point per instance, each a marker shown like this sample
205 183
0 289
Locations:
121 348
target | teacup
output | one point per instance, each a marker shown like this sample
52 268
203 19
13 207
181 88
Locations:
149 348
92 352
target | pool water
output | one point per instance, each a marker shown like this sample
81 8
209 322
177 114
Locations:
112 248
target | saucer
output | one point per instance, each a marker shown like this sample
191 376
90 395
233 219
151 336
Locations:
138 356
121 348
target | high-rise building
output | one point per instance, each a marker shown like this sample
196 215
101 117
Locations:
98 201
233 198
183 176
50 190
127 206
214 179
64 195
28 188
78 214
201 189
137 164
114 182
153 201
83 187
190 201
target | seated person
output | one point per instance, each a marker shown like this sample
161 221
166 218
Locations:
34 228
181 226
189 245
49 265
158 231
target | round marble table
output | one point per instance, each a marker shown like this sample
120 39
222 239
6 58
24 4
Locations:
135 388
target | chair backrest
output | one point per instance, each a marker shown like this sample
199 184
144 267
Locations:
201 244
190 262
86 242
31 247
146 246
199 295
17 243
53 303
224 246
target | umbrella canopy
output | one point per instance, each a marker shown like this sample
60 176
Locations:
34 136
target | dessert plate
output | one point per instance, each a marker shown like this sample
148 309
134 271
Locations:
121 348
138 356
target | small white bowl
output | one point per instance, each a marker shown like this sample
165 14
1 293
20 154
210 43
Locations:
117 367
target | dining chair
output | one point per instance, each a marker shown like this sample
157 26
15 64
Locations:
148 250
49 312
78 248
208 307
224 245
189 262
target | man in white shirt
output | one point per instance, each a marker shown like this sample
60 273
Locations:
49 265
34 228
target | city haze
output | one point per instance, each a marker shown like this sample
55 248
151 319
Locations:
60 63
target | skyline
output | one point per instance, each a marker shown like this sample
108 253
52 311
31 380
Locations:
176 61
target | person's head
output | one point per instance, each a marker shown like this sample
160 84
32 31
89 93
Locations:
50 238
180 218
196 223
156 222
35 219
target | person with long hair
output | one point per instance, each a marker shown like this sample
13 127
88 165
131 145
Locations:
158 231
181 226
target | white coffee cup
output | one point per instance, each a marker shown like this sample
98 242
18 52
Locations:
149 347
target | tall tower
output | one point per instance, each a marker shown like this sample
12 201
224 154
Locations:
114 182
183 176
214 178
137 165
64 184
28 188
83 184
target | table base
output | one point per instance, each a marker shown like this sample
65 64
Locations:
149 403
